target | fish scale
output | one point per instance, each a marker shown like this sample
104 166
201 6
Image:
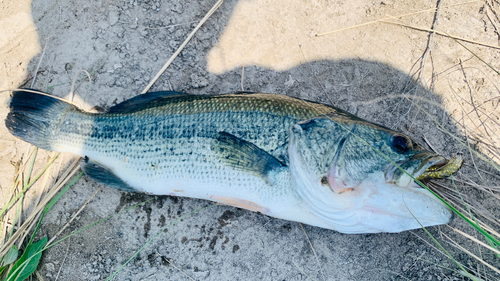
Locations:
284 157
163 148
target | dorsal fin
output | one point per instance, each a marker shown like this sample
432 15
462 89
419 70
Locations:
142 101
244 156
244 93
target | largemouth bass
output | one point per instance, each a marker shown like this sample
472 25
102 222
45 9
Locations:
284 157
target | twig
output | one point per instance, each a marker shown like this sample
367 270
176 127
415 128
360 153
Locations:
475 240
416 260
40 62
75 215
423 60
393 17
310 244
64 259
38 275
472 155
442 34
168 26
301 271
214 8
71 93
29 222
395 96
172 264
472 255
434 247
45 180
429 144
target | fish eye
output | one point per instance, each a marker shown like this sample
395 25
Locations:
400 143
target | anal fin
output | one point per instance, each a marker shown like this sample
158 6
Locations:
104 175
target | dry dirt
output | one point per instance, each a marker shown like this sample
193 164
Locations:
262 46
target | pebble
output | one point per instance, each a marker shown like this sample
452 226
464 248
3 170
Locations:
113 17
50 266
144 32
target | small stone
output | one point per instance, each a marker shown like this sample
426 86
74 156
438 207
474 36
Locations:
113 17
50 266
173 44
144 32
133 25
353 109
198 81
290 81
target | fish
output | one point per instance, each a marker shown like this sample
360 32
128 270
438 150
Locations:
281 156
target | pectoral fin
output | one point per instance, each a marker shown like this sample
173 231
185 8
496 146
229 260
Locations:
244 156
104 175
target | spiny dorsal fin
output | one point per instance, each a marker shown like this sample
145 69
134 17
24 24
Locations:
142 101
244 93
104 175
244 156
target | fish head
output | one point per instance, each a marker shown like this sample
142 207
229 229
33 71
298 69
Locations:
358 177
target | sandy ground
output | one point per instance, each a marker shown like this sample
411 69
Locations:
264 46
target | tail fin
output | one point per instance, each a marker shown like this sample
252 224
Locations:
31 116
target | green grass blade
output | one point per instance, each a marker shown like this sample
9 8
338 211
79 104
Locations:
479 155
487 235
16 216
156 235
95 223
6 207
448 254
28 262
35 152
21 198
473 224
52 202
491 243
39 251
474 54
9 258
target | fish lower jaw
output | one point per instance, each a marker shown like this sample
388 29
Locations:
373 207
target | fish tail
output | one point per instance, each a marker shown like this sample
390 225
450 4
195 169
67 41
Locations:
32 115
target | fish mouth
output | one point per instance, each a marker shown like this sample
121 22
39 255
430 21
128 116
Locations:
420 166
